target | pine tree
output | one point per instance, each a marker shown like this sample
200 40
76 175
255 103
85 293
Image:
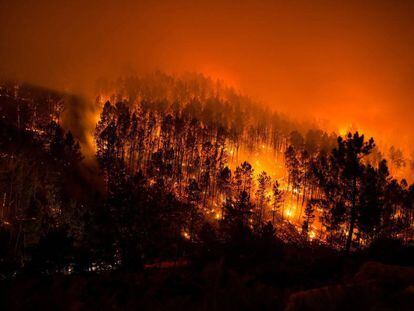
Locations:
309 218
261 195
278 197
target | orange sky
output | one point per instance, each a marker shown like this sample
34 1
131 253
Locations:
342 61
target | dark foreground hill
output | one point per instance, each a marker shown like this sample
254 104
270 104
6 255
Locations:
299 278
375 286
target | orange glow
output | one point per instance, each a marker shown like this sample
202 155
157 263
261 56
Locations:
332 63
217 215
312 235
185 235
289 213
221 74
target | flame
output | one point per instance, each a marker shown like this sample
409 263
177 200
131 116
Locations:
186 235
312 235
217 215
289 213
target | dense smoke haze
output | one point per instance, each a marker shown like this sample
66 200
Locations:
338 63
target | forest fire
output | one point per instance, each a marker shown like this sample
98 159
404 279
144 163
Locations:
206 156
265 156
189 147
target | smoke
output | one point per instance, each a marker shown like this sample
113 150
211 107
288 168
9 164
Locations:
80 117
340 64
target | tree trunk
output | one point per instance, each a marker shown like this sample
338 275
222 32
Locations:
352 219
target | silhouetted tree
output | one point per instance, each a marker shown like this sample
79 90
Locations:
340 176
